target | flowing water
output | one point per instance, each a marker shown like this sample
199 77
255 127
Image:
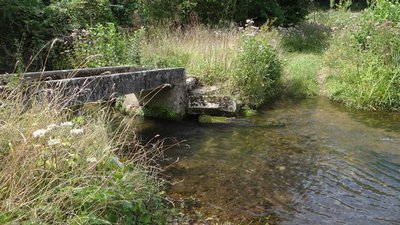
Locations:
310 162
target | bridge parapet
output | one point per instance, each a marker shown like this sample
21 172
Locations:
102 84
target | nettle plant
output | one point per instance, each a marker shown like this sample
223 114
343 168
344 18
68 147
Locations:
257 71
105 45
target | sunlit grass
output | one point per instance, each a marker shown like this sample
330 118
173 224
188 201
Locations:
205 53
61 167
301 74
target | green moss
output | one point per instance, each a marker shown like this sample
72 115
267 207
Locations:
162 112
213 119
247 112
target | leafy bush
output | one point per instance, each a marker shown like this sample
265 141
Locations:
85 13
24 29
131 13
257 72
105 46
28 25
243 64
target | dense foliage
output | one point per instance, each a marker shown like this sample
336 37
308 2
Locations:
367 58
257 72
103 45
28 26
221 11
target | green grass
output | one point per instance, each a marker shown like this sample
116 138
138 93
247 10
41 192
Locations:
301 77
364 57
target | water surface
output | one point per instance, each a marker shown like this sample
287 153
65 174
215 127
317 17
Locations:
310 162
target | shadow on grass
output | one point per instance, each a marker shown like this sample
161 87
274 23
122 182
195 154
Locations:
307 37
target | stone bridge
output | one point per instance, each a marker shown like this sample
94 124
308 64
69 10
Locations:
165 89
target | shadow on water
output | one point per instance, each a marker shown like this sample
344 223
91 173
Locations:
311 162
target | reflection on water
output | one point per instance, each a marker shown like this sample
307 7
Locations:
305 163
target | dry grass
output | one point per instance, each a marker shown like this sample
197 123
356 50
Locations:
205 53
60 166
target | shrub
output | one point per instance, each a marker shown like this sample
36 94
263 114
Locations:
257 72
131 13
32 24
106 46
242 64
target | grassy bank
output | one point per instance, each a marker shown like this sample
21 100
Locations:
302 75
255 65
364 58
350 57
243 63
61 167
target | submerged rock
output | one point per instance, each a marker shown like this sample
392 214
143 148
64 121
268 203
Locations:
211 105
214 119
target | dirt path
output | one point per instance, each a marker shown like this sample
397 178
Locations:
321 80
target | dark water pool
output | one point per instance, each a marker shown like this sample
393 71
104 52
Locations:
310 162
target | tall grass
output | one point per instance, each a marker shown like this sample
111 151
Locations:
204 52
308 37
302 73
245 64
61 167
364 59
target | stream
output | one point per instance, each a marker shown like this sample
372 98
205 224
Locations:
307 162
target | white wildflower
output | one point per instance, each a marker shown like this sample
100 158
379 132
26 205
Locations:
39 133
76 131
53 142
67 124
249 22
91 160
51 126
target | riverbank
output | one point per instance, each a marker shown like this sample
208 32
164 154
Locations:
241 62
336 53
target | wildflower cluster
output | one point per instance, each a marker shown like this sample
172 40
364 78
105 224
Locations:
58 138
55 129
249 29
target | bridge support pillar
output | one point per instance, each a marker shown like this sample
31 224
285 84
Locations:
165 102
